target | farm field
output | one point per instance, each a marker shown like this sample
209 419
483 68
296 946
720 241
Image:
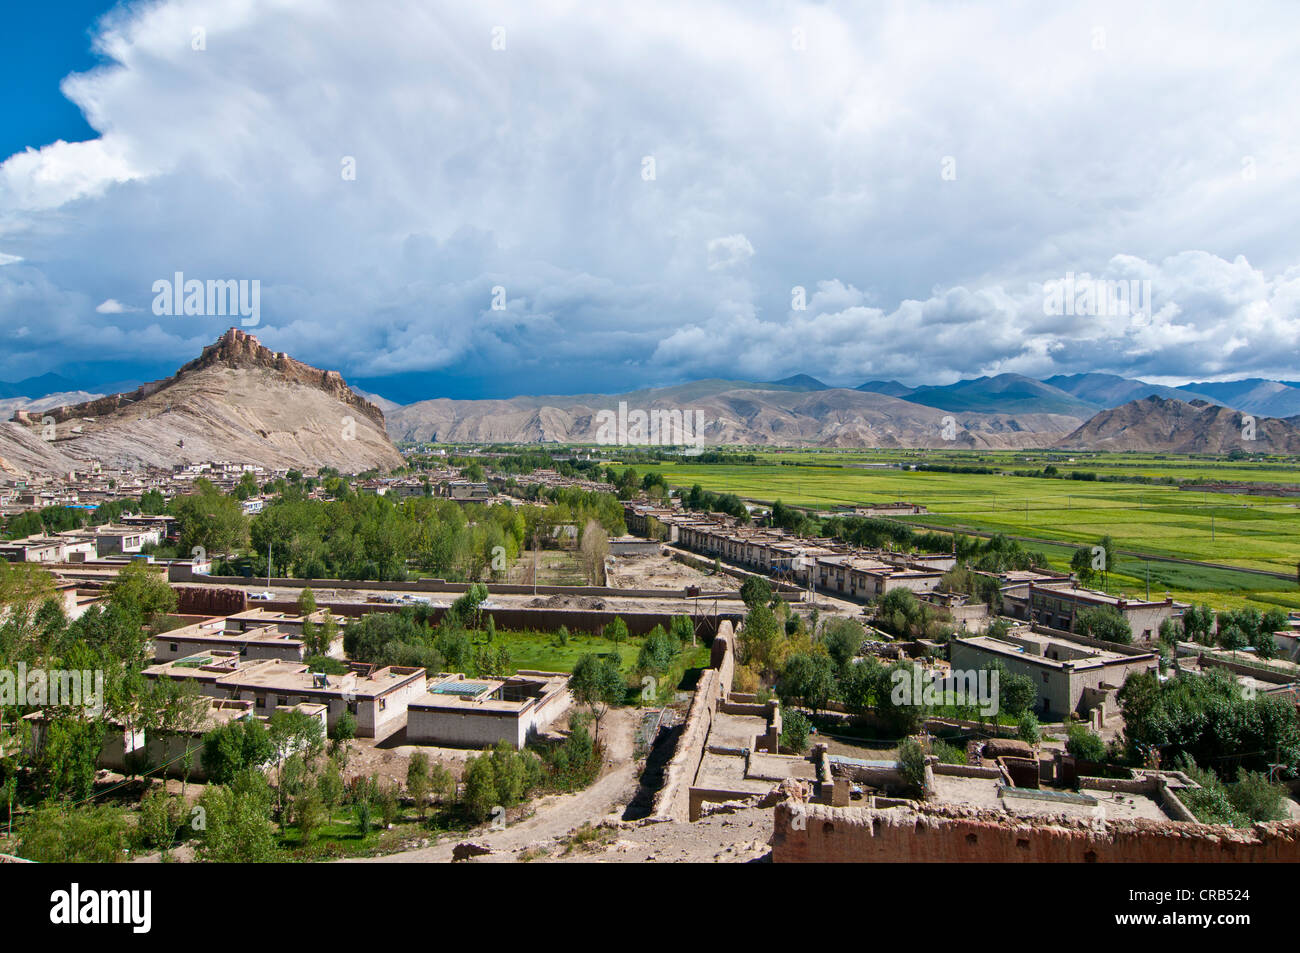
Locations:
1233 530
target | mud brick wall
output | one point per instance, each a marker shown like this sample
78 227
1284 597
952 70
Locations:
673 801
209 601
815 833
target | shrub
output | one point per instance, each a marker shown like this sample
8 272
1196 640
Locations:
795 728
1084 744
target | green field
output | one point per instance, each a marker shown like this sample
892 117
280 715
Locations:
542 651
1251 532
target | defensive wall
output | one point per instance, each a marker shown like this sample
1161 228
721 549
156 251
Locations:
817 833
672 801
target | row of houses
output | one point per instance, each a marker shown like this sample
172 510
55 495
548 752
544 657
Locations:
1047 598
79 545
826 564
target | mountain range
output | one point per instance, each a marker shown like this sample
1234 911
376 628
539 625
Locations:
240 401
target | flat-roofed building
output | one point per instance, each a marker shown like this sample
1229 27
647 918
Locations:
207 635
47 549
1057 605
476 713
1071 673
376 697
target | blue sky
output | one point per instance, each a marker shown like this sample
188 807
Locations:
42 43
551 198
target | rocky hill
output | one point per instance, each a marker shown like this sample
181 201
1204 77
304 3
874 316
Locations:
1175 426
237 401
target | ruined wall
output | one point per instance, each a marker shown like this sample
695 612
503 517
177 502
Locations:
815 833
210 601
672 802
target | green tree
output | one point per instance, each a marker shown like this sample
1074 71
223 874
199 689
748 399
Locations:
616 631
209 519
809 679
1028 729
418 784
480 788
161 818
795 728
1085 744
597 683
140 590
309 815
235 747
1105 623
843 638
657 652
911 763
236 822
755 591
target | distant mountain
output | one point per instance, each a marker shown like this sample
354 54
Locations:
238 401
1005 393
1175 426
10 404
383 403
733 413
1253 395
888 388
35 388
1111 390
801 382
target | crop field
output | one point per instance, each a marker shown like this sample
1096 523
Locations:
1231 530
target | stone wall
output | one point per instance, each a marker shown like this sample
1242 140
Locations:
816 833
672 802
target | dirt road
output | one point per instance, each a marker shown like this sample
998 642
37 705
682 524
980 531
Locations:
555 815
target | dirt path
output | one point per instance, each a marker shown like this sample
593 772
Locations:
556 814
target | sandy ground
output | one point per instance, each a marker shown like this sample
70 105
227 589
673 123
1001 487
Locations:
663 572
732 838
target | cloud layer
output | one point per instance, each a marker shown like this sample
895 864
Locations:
551 196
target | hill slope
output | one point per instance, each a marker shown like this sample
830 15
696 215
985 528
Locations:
1160 423
733 413
238 401
1003 393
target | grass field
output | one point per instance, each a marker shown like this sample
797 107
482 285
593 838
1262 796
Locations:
542 651
1233 530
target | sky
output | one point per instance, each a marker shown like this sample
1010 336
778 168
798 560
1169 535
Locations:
481 200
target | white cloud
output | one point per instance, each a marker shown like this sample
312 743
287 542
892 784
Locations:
522 169
113 306
729 251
